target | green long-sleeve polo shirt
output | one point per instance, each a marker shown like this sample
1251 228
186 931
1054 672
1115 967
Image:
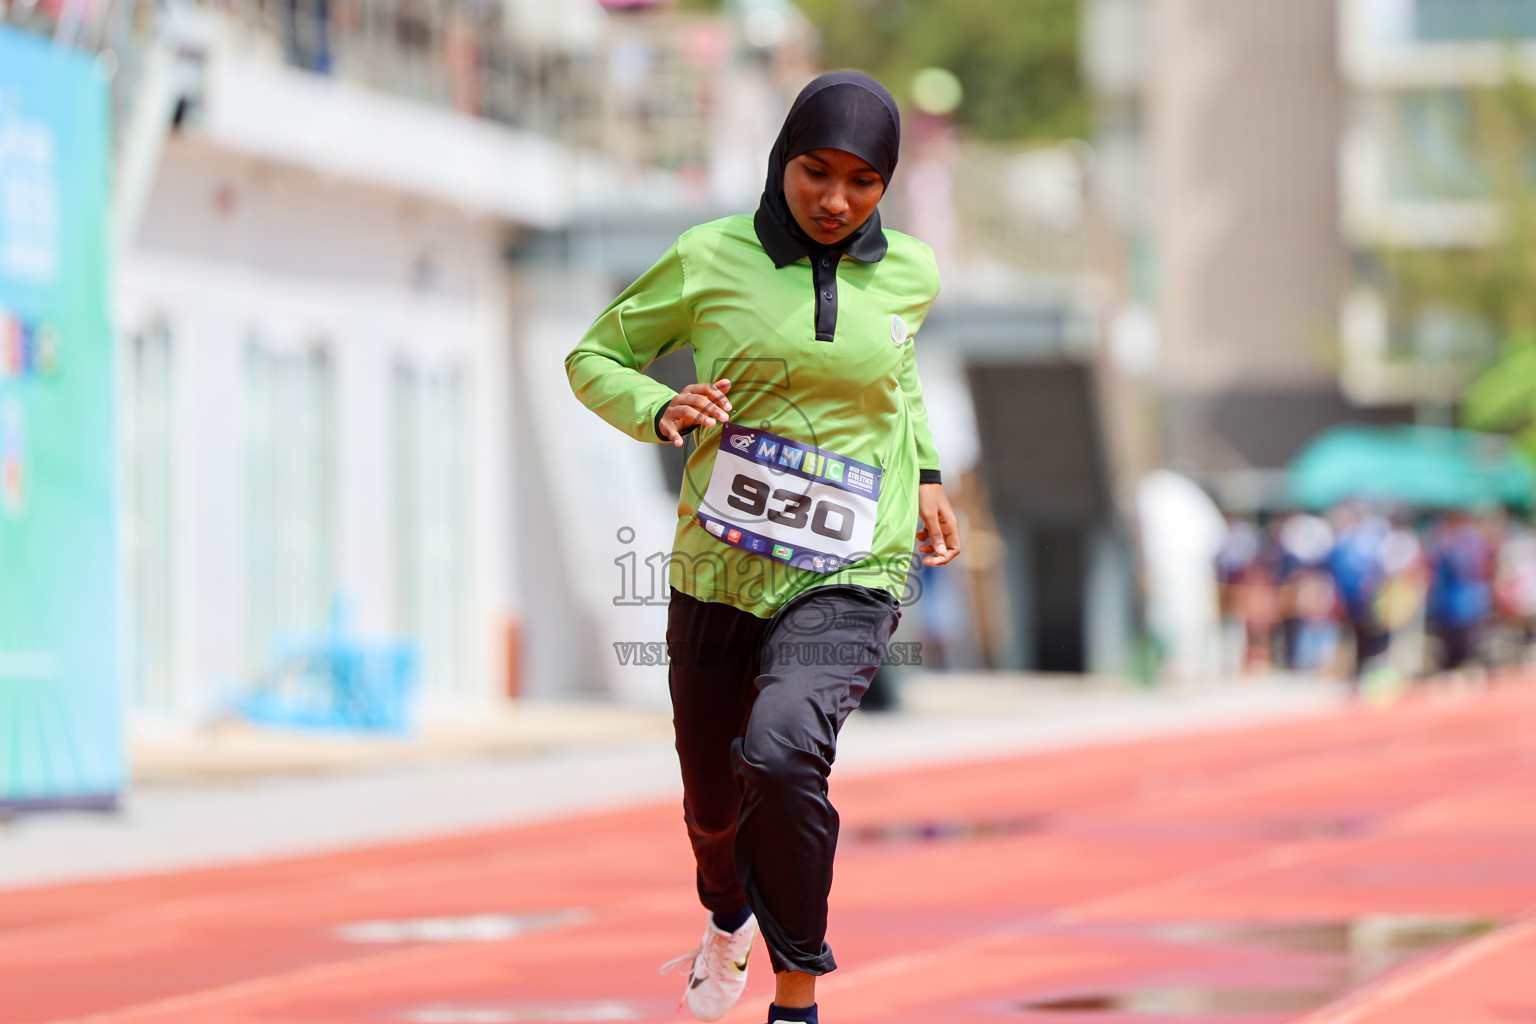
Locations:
717 291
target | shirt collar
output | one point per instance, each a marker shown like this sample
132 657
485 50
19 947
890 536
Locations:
867 245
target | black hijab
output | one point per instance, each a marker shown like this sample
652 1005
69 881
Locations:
842 110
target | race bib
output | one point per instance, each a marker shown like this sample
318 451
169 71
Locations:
791 502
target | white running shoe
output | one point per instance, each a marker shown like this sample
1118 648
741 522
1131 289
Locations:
716 970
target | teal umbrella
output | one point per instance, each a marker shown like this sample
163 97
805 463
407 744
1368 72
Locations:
1426 466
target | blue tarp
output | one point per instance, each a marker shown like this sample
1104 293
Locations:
1429 467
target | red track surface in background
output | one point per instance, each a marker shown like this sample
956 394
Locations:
964 894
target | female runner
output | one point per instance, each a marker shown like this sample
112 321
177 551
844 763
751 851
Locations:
813 464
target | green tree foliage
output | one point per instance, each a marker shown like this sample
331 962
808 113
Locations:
1017 59
1503 397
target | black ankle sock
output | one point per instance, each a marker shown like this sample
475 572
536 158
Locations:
807 1015
730 922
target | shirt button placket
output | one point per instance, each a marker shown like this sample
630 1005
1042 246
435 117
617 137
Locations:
826 277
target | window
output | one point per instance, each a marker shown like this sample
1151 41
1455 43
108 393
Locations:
432 524
290 499
1433 147
1463 20
146 424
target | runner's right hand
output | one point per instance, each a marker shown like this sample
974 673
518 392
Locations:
697 405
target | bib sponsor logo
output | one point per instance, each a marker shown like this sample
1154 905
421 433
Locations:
861 480
793 502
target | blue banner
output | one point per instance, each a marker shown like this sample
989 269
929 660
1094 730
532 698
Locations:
61 737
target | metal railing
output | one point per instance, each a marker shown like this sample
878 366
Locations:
640 91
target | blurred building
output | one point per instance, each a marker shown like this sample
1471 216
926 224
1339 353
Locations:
333 408
1224 137
1024 412
1049 472
1411 177
315 348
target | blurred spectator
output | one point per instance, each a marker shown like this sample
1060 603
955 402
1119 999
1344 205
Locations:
1514 586
1239 550
1257 598
1468 584
1403 578
1182 537
1460 591
1309 597
945 616
1400 610
1315 601
1355 563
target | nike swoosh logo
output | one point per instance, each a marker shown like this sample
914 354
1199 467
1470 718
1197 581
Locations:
695 982
742 967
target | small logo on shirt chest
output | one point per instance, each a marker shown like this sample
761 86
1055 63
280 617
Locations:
898 330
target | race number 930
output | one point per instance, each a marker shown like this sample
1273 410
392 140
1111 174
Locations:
826 518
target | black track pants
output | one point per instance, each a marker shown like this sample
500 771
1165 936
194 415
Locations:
757 705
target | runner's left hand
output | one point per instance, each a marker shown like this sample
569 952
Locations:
939 539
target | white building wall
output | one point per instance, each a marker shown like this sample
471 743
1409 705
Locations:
233 246
606 510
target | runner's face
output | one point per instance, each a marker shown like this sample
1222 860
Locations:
831 193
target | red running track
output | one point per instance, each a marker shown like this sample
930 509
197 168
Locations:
1364 867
